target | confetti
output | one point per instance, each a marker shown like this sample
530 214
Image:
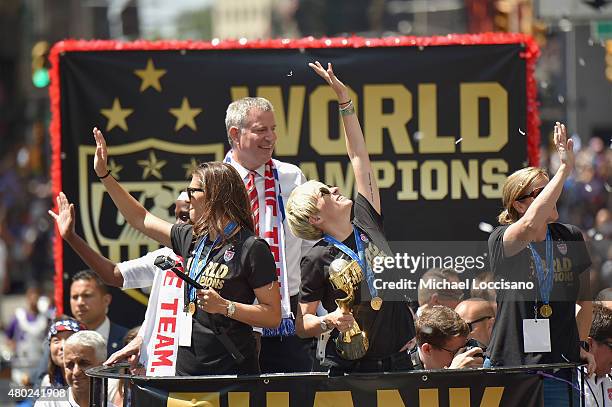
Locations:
598 236
591 42
561 99
581 61
418 136
544 85
588 188
608 187
522 132
290 73
459 141
63 156
485 227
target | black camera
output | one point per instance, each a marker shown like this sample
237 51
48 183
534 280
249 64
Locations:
473 343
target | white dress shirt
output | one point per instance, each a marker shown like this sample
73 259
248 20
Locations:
290 176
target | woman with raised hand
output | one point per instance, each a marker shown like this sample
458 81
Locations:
538 325
223 256
351 233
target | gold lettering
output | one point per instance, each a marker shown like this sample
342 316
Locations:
384 173
333 398
407 192
288 127
239 92
466 179
389 398
277 399
428 123
427 189
492 397
470 93
221 271
238 399
310 170
320 139
375 121
493 181
335 176
180 399
428 398
459 397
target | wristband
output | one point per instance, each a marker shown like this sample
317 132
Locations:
105 175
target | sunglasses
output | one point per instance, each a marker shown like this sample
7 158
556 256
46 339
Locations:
533 194
471 324
190 191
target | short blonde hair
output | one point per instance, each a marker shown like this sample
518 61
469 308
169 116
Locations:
302 204
516 185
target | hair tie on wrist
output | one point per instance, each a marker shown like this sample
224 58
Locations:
345 103
105 175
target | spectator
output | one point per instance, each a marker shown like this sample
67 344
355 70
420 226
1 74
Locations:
441 337
61 329
89 301
488 294
480 317
597 389
82 351
438 296
26 332
605 297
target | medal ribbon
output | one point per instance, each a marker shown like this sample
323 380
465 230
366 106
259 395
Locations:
545 280
359 257
195 271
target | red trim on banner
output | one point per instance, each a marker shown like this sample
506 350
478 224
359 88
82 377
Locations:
56 172
530 53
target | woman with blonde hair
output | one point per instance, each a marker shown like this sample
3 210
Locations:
223 256
538 325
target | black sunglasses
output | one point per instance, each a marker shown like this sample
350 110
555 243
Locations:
190 191
471 324
533 194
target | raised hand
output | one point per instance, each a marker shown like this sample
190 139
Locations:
331 79
64 218
101 155
564 146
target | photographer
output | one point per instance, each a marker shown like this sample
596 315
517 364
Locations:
442 341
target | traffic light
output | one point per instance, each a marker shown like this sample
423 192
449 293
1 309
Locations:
609 60
40 64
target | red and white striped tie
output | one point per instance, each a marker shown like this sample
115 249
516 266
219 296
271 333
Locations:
253 199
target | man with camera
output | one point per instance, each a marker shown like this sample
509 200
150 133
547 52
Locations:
442 341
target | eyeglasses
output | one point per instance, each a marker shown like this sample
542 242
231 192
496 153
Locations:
471 324
190 192
452 352
533 194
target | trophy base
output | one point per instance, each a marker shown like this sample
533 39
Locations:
355 349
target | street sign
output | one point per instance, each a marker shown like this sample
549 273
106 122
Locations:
575 10
601 30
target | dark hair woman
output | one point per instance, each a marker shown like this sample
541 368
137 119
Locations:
536 321
223 256
61 328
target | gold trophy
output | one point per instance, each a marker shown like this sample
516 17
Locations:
345 276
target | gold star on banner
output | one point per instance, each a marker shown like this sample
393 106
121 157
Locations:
150 76
185 115
114 168
190 167
116 116
151 166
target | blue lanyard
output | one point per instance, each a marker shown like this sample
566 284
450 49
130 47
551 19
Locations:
194 271
359 257
545 280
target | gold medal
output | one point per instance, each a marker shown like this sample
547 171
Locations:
376 303
546 310
192 308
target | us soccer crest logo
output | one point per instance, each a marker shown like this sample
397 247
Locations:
154 172
229 255
562 248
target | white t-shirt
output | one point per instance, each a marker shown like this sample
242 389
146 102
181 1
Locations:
289 176
597 391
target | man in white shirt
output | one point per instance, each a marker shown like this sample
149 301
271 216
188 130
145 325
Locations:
597 389
83 350
251 126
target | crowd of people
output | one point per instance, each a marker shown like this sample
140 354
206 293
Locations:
277 262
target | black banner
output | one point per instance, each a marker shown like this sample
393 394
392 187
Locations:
445 120
414 389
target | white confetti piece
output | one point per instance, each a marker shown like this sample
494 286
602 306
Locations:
485 227
581 61
561 99
290 73
418 136
459 141
588 188
522 132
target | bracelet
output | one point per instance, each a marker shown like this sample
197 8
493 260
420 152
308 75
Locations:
347 111
345 103
105 175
